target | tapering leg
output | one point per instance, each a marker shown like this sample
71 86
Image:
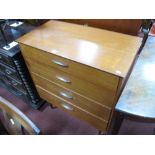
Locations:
116 123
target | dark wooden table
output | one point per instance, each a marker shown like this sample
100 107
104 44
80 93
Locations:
137 100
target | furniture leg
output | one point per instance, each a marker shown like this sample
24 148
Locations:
53 107
116 123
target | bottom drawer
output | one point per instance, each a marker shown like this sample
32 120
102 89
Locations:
72 109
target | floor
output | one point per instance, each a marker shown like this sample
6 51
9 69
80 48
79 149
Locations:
61 123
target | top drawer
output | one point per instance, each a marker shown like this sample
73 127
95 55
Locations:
82 71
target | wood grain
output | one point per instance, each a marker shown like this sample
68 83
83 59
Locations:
13 111
76 99
101 49
77 112
76 69
102 95
93 64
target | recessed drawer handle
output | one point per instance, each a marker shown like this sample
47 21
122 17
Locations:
63 79
8 72
66 95
67 107
60 63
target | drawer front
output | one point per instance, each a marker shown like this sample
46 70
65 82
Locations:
17 92
6 59
16 84
9 72
73 97
72 109
3 79
7 84
85 72
99 94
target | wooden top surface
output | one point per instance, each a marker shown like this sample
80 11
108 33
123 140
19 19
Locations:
138 96
104 50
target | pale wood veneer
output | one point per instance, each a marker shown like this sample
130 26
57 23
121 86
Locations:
94 63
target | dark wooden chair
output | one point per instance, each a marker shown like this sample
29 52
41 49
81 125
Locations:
2 129
15 121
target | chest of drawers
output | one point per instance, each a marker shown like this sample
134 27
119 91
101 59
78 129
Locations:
79 69
15 77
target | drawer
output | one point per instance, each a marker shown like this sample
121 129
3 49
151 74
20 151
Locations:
5 83
18 93
6 59
98 94
74 98
9 72
16 84
3 79
72 109
85 72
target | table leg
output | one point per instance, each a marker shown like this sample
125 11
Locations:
116 123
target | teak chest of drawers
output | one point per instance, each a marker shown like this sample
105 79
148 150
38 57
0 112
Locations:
79 69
